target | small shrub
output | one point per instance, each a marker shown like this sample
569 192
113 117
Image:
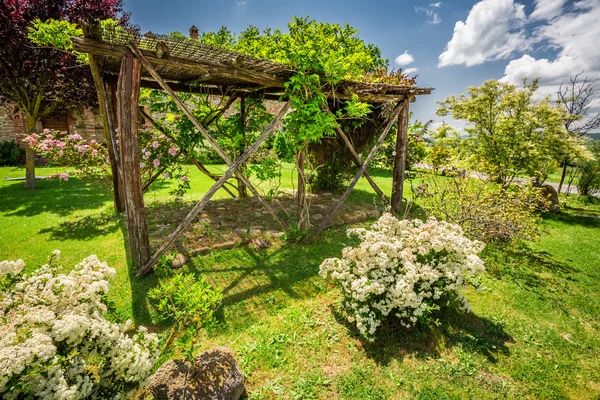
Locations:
403 268
188 302
10 153
55 342
589 178
485 211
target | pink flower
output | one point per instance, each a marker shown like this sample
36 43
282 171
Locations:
75 137
64 177
94 152
146 155
156 162
166 176
184 178
173 151
142 164
155 145
46 131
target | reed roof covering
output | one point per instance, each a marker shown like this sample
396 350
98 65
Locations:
190 66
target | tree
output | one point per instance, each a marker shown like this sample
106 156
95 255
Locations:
577 98
510 133
42 81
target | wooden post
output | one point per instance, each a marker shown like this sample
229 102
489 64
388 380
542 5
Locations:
362 169
303 216
242 192
127 104
400 161
95 62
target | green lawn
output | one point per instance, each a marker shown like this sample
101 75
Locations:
533 333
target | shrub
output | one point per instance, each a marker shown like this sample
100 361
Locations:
55 342
589 178
485 211
10 154
190 303
403 268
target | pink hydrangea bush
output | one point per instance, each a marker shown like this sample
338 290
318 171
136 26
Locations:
403 268
55 342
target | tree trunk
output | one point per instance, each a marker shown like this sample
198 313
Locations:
32 127
303 215
564 173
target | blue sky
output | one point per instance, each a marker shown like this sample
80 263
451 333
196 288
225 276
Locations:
454 44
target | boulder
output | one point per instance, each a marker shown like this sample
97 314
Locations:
551 196
214 375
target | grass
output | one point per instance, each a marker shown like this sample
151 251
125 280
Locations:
533 333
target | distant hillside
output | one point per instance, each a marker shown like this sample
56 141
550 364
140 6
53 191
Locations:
593 136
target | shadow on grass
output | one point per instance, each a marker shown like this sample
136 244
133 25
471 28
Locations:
86 228
454 328
53 196
575 216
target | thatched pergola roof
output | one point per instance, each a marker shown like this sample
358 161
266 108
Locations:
189 66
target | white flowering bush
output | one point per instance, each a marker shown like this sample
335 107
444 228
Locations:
55 342
403 268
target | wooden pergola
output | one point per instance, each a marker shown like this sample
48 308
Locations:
122 62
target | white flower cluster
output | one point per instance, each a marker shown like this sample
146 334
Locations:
55 342
11 267
403 268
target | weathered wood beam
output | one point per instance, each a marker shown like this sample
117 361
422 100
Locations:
357 161
400 162
127 98
205 133
200 205
105 115
202 67
364 166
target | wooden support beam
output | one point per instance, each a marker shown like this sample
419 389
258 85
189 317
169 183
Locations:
202 67
400 162
357 161
190 158
200 205
364 166
127 98
107 125
242 190
205 133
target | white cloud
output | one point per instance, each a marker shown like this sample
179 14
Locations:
410 71
430 12
404 58
547 9
493 30
574 35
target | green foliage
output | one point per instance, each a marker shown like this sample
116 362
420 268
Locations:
189 303
510 133
588 173
485 211
10 153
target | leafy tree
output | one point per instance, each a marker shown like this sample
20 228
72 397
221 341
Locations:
416 149
577 98
510 133
42 81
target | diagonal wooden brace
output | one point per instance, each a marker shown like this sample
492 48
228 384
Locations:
204 132
363 167
200 205
191 159
357 161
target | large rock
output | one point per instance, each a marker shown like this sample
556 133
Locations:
215 375
551 196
